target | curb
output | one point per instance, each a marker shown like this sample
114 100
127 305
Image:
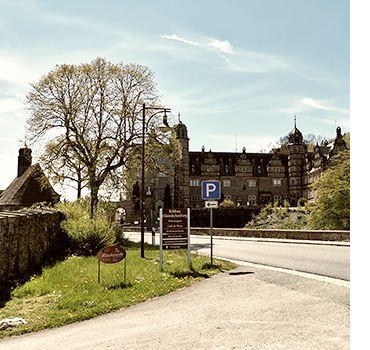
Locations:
278 240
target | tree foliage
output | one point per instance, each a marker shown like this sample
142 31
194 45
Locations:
96 109
331 210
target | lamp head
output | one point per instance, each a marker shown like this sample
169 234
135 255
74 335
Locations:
164 127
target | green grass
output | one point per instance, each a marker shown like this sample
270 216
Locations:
69 291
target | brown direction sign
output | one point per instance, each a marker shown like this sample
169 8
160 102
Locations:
175 229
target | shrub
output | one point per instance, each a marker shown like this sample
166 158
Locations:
227 204
87 236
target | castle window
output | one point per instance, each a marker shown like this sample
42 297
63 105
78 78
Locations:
252 183
244 187
194 182
251 200
277 182
228 198
227 183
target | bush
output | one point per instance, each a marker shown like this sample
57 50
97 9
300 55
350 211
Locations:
87 236
227 204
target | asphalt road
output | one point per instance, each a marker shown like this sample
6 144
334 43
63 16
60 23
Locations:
249 308
325 260
246 308
321 259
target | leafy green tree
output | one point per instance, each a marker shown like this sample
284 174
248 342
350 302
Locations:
95 111
62 167
331 210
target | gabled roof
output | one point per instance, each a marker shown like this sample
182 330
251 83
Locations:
29 188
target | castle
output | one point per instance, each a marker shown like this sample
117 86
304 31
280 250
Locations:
247 179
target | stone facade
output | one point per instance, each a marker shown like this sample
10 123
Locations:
247 179
259 178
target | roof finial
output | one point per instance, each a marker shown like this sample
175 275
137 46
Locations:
178 115
295 121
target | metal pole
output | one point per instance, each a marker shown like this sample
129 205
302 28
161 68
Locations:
160 238
125 266
188 237
211 222
142 185
152 226
98 271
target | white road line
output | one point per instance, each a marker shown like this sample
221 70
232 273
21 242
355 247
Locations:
335 281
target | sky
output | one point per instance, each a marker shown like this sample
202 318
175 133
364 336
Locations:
237 71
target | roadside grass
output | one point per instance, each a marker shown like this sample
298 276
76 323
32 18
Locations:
69 290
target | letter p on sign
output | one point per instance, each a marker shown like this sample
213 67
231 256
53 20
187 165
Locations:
211 190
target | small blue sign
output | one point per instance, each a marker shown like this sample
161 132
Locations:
211 190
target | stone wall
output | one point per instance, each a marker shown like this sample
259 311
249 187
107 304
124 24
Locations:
317 235
27 239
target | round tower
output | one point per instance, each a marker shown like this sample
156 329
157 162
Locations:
182 181
297 153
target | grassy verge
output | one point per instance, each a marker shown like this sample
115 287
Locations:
69 291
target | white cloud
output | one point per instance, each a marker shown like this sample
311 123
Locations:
222 46
315 104
10 105
319 105
241 61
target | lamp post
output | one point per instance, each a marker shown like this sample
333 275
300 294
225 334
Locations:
164 127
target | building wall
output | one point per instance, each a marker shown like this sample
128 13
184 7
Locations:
247 179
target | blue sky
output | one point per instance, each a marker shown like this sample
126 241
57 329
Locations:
237 71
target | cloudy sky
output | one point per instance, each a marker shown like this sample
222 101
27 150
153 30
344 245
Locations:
237 71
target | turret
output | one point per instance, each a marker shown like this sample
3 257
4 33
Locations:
296 158
182 181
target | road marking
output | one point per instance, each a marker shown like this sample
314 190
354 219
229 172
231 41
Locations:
335 281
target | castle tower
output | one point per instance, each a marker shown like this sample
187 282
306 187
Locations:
182 181
296 159
24 160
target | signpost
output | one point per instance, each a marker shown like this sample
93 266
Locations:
174 231
111 255
211 193
211 204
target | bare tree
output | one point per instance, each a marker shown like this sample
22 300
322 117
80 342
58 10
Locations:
97 109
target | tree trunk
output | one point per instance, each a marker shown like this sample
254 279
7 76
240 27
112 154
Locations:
93 201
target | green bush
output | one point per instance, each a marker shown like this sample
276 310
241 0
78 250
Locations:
87 236
227 204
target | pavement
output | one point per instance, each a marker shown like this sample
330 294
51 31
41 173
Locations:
246 308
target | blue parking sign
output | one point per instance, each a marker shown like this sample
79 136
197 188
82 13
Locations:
211 190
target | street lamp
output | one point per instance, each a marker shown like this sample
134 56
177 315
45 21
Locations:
164 127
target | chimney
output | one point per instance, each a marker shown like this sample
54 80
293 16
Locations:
24 160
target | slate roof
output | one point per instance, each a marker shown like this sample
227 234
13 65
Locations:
29 188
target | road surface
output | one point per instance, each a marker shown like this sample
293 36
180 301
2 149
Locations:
321 259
